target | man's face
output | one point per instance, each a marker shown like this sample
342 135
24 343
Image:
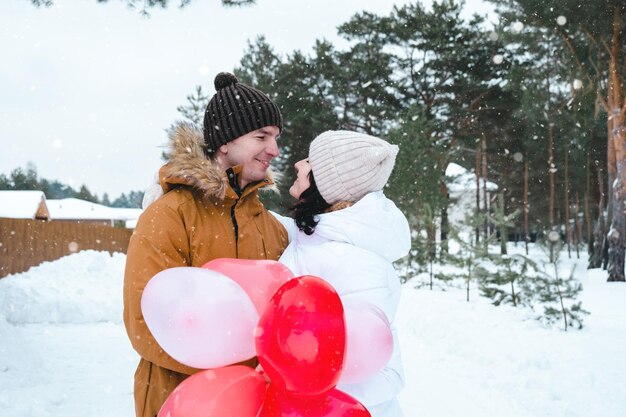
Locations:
254 151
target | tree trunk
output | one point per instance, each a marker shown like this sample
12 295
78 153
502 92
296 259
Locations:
485 192
599 232
568 234
477 171
579 226
504 234
617 140
611 175
445 226
551 170
587 210
610 172
431 235
526 205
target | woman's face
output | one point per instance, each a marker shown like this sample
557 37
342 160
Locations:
301 182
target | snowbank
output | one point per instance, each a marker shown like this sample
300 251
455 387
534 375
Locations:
85 287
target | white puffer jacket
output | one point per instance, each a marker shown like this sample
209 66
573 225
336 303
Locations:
353 249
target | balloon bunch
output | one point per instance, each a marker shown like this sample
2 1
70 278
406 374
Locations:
305 338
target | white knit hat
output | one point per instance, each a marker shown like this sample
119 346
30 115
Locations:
347 165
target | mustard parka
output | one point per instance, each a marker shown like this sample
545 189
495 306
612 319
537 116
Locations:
199 218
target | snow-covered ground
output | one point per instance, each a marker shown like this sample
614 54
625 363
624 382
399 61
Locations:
64 352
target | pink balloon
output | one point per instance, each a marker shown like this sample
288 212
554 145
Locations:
369 341
200 317
333 403
232 391
260 278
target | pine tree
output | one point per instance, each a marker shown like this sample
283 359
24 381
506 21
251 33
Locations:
27 179
502 277
5 183
121 201
557 295
132 200
84 194
135 199
423 253
363 85
415 180
444 73
57 190
470 253
193 110
508 279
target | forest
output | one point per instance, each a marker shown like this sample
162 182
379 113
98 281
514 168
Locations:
534 103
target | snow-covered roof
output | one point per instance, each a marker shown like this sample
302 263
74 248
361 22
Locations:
23 204
131 224
463 180
74 208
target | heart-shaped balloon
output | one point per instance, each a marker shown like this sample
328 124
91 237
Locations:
233 391
301 336
334 403
200 317
260 278
369 341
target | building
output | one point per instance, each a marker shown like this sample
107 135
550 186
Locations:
33 205
81 211
24 205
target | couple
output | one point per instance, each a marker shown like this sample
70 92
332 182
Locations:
344 229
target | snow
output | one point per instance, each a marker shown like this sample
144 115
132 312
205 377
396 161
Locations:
21 204
461 180
74 208
64 351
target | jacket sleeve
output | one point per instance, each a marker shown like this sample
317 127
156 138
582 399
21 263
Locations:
159 242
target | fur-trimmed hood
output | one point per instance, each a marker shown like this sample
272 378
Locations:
188 165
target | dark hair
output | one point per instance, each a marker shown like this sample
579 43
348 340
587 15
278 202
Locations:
311 204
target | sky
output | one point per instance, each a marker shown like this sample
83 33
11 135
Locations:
88 89
64 350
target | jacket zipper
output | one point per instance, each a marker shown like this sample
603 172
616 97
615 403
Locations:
232 179
234 220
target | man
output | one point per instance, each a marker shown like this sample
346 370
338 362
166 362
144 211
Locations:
210 210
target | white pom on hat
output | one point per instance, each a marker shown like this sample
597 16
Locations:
348 165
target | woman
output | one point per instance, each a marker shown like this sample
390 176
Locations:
347 232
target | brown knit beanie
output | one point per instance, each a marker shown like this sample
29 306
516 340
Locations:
236 109
347 165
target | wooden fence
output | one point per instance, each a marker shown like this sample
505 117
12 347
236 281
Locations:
26 243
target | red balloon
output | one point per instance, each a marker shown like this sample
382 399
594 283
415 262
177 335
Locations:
301 337
233 391
334 403
260 278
